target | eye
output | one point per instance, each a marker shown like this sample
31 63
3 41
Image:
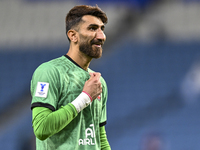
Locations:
102 28
92 28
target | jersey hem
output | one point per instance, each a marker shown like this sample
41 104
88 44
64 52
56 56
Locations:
39 104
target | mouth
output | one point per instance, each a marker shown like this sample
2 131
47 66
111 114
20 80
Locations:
98 45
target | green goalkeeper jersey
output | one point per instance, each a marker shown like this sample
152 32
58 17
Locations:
57 83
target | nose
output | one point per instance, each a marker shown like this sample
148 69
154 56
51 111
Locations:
100 35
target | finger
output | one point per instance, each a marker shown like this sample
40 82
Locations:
97 75
91 74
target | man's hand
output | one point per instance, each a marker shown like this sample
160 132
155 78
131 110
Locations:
93 85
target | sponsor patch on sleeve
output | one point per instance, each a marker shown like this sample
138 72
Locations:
42 89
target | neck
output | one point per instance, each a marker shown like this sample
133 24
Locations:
80 58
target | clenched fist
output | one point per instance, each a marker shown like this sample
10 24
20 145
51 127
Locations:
93 85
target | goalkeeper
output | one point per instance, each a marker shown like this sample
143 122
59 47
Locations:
68 98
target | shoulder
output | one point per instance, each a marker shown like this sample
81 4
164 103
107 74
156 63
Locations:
48 70
54 66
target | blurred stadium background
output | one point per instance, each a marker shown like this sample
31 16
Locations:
151 63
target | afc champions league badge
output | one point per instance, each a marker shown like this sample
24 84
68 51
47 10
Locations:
42 89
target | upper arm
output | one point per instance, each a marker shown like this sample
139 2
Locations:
45 87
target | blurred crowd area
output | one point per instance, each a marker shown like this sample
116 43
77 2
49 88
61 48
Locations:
151 62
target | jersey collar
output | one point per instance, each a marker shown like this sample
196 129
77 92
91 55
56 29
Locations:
73 61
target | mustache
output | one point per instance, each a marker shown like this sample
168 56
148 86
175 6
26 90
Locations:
98 42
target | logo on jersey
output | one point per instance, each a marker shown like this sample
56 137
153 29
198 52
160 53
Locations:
89 136
42 89
99 98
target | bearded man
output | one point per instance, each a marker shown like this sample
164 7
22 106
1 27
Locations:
68 98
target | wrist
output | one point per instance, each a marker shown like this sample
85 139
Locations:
88 95
82 101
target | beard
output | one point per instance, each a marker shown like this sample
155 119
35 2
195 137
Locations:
90 50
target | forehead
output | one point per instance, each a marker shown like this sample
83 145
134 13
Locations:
88 19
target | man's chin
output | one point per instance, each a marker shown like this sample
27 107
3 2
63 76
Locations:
96 57
98 54
94 52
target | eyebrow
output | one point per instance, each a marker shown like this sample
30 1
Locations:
95 25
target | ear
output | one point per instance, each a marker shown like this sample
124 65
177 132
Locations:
72 34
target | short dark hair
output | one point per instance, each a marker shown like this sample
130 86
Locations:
75 15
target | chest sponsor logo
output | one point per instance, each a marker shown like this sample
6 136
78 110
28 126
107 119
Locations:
42 89
89 136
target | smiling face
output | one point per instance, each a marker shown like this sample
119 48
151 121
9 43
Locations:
91 36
